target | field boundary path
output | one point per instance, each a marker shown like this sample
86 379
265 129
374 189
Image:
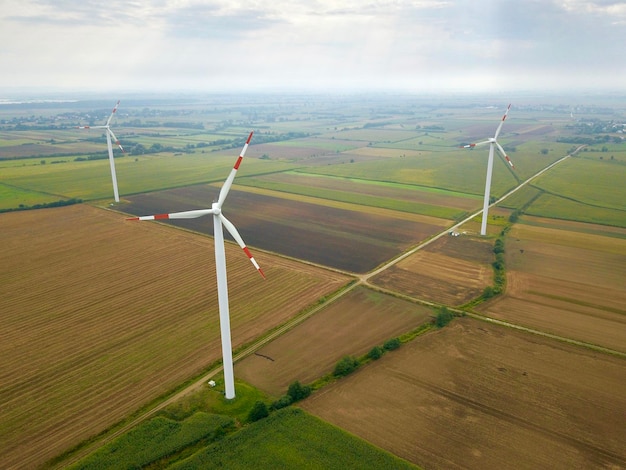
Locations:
360 280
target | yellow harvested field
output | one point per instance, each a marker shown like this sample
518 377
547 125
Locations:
101 315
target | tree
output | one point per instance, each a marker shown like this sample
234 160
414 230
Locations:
444 316
282 402
297 391
345 366
376 353
488 292
391 344
258 411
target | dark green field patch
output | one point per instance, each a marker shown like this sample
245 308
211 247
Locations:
156 439
291 438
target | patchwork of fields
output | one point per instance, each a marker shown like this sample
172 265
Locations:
103 316
313 230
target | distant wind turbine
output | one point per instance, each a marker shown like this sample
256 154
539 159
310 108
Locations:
493 143
109 134
220 264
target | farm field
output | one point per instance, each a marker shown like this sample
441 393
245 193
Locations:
449 271
405 198
568 192
313 348
90 180
452 170
101 316
485 397
316 230
565 278
291 438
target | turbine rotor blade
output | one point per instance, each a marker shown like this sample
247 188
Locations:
503 153
116 140
471 146
235 234
502 122
90 127
113 112
229 181
176 215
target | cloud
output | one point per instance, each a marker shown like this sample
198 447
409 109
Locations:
352 44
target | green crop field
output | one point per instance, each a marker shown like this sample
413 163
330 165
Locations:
456 171
90 180
597 183
11 197
521 198
156 439
548 205
291 438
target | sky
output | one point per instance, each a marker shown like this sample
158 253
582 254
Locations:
316 45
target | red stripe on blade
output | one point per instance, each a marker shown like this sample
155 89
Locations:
161 216
238 162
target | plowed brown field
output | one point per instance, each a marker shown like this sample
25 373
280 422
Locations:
101 315
353 240
568 282
352 325
451 271
480 396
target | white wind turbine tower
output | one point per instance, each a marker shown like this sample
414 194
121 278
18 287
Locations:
220 264
493 143
109 134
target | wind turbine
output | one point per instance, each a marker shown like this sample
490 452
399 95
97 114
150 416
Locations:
109 134
220 263
493 143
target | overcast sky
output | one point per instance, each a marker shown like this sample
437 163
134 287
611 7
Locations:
324 45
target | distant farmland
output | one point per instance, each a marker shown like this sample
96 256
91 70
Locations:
401 197
351 238
480 396
89 180
101 316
